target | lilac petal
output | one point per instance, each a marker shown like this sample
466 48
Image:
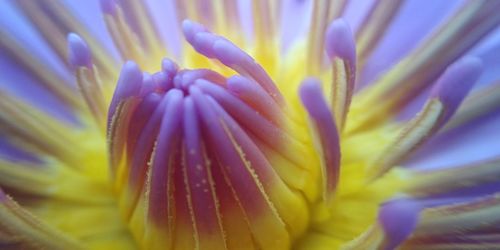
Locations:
460 180
415 21
29 89
108 6
295 21
474 142
488 50
398 219
375 23
15 154
78 52
421 68
16 26
166 15
355 12
89 15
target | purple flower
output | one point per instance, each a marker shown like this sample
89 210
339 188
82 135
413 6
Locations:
249 125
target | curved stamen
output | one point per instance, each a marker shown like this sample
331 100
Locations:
245 185
254 122
163 167
124 101
446 96
289 204
201 188
141 150
80 59
341 49
213 46
255 96
129 85
326 134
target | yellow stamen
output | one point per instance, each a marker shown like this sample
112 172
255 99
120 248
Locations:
414 133
90 88
27 231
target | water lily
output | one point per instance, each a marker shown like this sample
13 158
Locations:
249 125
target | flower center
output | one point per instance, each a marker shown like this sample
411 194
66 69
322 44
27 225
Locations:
206 159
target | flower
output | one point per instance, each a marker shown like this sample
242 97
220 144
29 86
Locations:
239 138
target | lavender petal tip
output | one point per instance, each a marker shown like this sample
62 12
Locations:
339 41
190 29
398 219
78 52
129 84
456 82
312 97
169 66
228 53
